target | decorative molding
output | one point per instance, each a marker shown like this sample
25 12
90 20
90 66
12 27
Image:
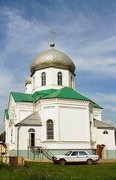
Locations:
97 110
49 107
47 101
64 101
73 102
91 106
18 104
69 107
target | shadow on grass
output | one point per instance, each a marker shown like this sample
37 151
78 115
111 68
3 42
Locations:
77 163
3 165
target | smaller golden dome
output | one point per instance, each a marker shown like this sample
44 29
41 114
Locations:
28 81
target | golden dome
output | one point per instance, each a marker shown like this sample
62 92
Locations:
28 81
52 58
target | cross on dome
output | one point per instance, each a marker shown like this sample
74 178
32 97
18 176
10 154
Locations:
52 34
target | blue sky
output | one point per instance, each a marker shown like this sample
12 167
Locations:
85 31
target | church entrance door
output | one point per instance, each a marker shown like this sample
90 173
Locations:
101 151
32 139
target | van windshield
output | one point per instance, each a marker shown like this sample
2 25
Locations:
68 153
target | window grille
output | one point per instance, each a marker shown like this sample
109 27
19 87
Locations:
59 78
50 129
71 78
43 79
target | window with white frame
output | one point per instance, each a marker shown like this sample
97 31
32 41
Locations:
33 82
59 76
43 79
71 79
50 129
11 135
31 132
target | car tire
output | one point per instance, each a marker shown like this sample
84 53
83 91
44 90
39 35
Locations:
89 161
62 162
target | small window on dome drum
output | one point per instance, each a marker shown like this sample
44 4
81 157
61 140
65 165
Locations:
43 79
33 82
71 78
59 75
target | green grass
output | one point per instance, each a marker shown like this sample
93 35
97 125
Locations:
49 171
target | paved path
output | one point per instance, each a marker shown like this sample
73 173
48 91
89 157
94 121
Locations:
106 160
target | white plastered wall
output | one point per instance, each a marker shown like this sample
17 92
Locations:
17 112
9 124
24 136
74 124
28 88
97 113
71 123
23 110
107 139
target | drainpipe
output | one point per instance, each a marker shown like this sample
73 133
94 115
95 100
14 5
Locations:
18 139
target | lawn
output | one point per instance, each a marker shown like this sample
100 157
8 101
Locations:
49 171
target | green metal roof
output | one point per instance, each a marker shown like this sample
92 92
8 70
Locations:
65 92
22 97
6 113
40 94
97 106
68 93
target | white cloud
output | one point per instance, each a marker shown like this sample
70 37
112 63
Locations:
21 34
110 107
100 46
106 100
104 97
8 83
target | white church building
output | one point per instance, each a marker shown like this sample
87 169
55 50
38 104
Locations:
51 117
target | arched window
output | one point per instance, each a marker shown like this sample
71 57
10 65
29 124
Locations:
50 129
33 82
105 132
31 130
43 79
71 79
59 78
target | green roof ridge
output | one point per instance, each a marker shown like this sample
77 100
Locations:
68 93
43 93
97 106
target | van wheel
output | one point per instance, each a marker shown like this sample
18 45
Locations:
89 162
62 162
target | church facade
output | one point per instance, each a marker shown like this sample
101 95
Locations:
51 117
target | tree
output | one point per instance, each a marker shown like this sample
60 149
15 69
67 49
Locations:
2 137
